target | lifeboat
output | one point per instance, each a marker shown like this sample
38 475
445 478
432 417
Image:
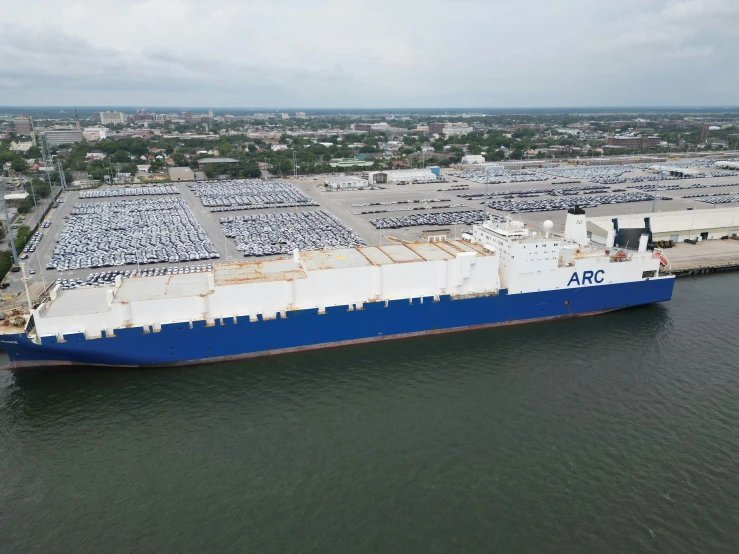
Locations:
658 254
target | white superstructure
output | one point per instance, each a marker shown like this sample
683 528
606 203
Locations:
533 262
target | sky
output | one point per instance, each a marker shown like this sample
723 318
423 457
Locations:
370 53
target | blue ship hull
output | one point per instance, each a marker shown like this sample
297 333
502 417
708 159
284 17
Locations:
183 343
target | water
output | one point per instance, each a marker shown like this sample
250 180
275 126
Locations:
616 433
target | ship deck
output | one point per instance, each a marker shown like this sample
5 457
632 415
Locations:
94 300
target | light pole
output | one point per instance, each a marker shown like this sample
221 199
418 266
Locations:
10 230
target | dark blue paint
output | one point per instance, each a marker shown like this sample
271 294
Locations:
179 342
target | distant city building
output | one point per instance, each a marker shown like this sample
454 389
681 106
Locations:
379 128
187 116
634 141
263 116
449 129
277 147
96 133
21 145
112 118
23 125
285 116
300 115
456 129
59 137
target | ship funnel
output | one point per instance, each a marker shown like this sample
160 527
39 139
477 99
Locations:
643 240
576 226
611 238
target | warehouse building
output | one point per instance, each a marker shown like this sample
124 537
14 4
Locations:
345 182
15 198
406 175
473 159
208 161
662 226
676 171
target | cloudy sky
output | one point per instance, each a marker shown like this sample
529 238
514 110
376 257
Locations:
370 53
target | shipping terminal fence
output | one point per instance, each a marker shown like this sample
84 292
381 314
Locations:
249 194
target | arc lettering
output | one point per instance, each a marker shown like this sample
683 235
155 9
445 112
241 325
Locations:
588 278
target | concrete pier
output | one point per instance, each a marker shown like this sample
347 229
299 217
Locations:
712 256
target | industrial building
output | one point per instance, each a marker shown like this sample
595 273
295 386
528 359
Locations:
663 226
406 175
344 182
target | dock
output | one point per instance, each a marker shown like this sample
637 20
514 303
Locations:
712 256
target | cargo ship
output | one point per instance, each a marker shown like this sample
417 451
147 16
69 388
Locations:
500 273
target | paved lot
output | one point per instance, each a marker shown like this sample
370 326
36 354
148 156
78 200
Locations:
703 254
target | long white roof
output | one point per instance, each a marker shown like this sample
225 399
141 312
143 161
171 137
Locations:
666 222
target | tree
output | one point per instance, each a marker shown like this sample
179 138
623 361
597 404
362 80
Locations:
121 156
33 152
18 164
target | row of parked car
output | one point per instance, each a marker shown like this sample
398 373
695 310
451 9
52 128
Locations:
125 232
150 190
281 233
466 217
249 194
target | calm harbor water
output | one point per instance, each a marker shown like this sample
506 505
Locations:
615 433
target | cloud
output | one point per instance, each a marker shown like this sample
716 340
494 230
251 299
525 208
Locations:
380 53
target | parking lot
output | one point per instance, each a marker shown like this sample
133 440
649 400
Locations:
346 207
